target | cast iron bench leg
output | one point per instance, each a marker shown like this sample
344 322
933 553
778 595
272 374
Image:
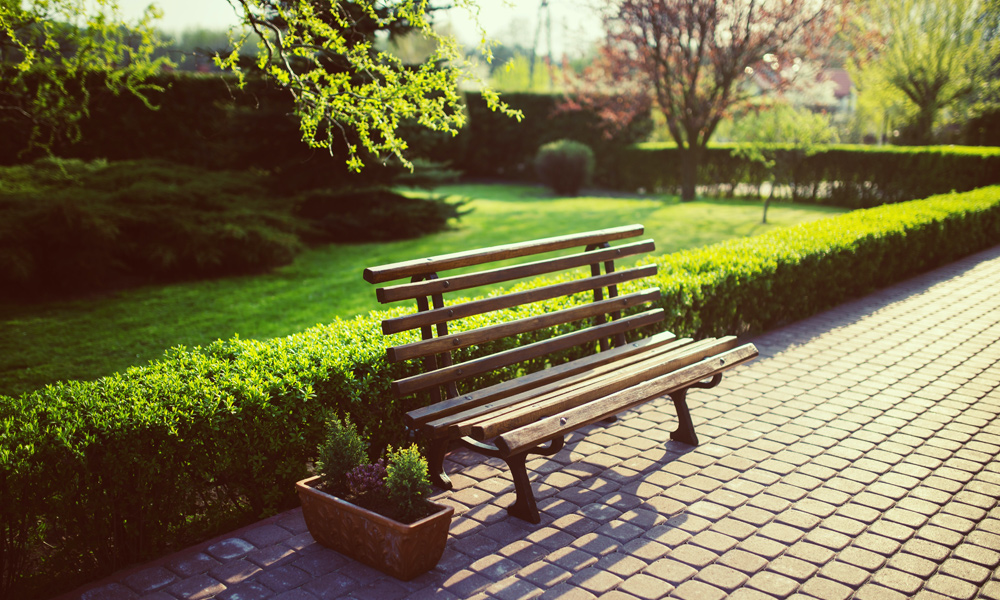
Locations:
524 506
685 428
435 464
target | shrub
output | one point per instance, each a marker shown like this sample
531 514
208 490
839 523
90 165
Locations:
73 227
96 475
407 482
564 166
341 453
373 215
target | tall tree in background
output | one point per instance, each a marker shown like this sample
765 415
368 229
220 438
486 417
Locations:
927 50
694 56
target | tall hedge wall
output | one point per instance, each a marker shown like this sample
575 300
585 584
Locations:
205 120
845 175
95 475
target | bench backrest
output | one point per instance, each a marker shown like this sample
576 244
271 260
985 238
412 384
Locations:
428 286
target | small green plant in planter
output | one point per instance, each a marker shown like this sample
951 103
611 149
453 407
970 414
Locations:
376 513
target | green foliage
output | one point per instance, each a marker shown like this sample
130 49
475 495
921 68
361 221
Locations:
496 147
101 474
342 451
407 481
564 166
71 227
756 284
51 49
927 53
800 131
327 59
842 175
373 214
43 342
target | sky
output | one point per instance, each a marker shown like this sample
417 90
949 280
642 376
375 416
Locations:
573 25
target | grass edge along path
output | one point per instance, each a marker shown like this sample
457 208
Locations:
89 338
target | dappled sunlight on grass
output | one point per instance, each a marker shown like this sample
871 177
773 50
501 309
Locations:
88 338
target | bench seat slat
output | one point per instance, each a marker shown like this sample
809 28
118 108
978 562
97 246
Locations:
460 423
454 283
478 307
418 417
403 387
525 437
490 333
594 388
456 260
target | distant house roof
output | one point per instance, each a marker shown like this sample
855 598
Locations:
841 80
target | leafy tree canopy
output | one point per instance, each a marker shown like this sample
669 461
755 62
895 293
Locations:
348 93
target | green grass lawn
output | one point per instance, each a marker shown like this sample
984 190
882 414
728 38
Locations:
89 338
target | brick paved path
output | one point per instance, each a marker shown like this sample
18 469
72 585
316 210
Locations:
857 457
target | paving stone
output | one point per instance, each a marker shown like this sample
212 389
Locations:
514 589
952 587
565 591
231 548
899 581
545 575
251 590
111 591
939 535
821 587
773 584
764 547
693 556
871 591
863 559
671 571
237 571
793 568
827 538
197 587
192 564
914 565
722 577
150 579
645 587
595 580
977 554
968 571
697 590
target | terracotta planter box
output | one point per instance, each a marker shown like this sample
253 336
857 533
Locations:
403 551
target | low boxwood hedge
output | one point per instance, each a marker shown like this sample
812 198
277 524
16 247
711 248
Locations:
97 475
844 175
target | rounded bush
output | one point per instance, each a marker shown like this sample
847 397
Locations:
564 166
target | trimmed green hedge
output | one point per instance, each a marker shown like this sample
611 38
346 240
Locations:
845 175
97 475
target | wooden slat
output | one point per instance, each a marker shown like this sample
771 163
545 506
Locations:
477 307
463 423
408 291
460 423
417 417
404 387
483 335
592 389
528 436
436 264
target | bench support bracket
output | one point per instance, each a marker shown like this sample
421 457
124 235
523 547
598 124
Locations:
685 427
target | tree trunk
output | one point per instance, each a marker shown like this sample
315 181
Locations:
690 161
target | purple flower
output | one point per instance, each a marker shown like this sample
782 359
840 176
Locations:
366 479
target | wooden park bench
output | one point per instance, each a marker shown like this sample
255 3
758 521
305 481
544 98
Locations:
530 413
